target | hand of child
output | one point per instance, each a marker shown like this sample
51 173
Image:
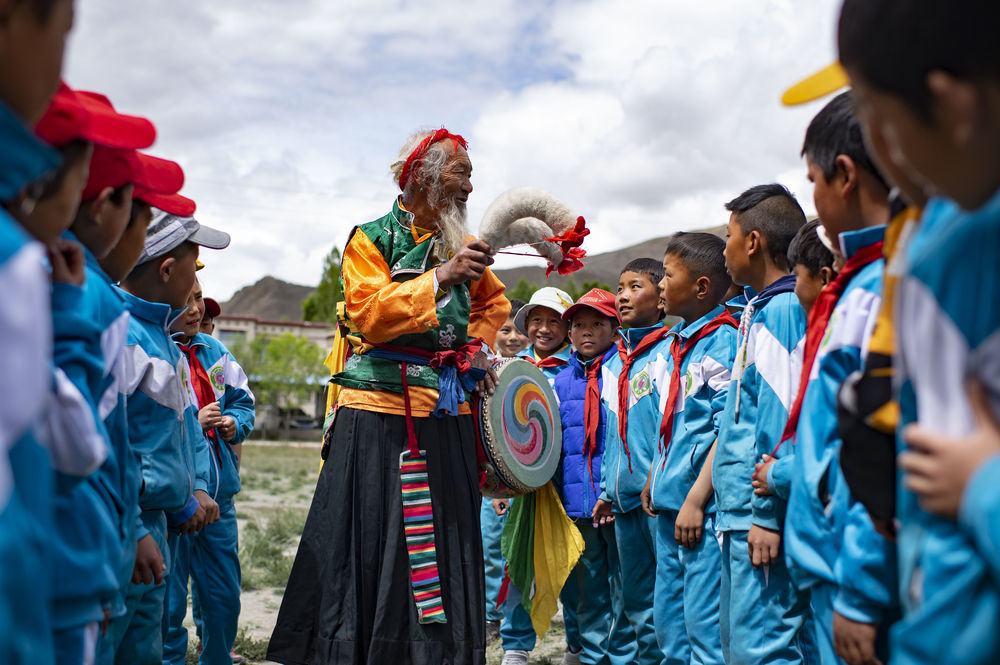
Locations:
67 260
759 483
227 430
149 566
854 641
196 522
763 545
210 416
210 506
646 497
688 525
938 467
500 506
602 513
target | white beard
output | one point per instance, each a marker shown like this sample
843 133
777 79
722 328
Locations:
452 230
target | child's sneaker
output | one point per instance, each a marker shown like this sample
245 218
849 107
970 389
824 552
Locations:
514 657
572 657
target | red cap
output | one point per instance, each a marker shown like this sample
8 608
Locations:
175 204
212 308
151 175
599 299
89 116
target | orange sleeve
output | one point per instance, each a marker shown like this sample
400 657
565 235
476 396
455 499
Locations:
490 308
382 309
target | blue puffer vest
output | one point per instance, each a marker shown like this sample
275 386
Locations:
577 488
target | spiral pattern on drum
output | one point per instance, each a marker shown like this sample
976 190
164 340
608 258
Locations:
527 423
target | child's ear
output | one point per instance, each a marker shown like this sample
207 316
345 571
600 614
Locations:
704 287
846 174
97 204
167 269
826 274
959 107
753 242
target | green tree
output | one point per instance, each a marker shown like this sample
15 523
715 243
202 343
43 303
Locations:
523 290
321 305
283 370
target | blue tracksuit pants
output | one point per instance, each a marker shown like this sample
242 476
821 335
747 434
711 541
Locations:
761 614
516 630
77 645
686 600
210 559
491 526
635 533
136 637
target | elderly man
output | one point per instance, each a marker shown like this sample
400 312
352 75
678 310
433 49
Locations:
419 298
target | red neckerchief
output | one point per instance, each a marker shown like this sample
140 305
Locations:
551 361
592 411
628 359
819 318
201 383
678 353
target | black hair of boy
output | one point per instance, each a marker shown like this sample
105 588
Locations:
702 254
836 131
515 305
651 268
894 44
809 251
772 211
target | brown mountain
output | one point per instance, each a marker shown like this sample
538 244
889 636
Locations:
273 299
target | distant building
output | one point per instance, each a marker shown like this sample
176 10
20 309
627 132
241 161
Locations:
233 328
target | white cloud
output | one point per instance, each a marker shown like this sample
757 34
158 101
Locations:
643 116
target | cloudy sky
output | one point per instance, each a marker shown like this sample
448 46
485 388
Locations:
643 115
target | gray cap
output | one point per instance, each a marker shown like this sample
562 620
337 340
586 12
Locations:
167 231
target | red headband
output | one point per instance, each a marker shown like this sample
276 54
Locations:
421 150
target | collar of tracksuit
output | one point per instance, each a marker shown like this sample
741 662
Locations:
156 313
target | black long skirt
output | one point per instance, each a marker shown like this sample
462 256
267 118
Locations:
349 599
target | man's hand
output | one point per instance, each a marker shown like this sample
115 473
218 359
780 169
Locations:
763 545
469 263
855 642
210 506
149 566
500 506
488 385
759 483
66 258
602 513
938 467
210 416
646 496
689 524
227 430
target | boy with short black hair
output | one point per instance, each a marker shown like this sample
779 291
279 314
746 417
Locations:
761 613
812 264
831 546
163 426
634 415
693 385
209 559
933 84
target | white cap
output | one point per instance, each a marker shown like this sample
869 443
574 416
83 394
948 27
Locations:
547 296
167 231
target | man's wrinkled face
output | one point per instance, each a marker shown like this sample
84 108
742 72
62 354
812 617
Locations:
456 179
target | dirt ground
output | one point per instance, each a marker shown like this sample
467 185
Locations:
278 482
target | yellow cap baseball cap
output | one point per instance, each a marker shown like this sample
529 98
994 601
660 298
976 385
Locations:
198 265
828 80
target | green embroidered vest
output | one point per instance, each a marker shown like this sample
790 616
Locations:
406 259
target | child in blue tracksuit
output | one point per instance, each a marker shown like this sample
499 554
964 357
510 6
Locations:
605 634
633 402
693 387
163 426
510 342
946 321
25 352
831 546
760 611
210 557
541 322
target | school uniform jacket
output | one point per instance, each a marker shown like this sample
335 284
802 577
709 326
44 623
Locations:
621 484
163 426
698 412
764 381
232 390
577 486
828 534
948 332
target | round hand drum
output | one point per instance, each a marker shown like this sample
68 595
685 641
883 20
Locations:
519 431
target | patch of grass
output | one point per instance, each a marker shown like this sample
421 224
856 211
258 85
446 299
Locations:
253 650
279 469
264 542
